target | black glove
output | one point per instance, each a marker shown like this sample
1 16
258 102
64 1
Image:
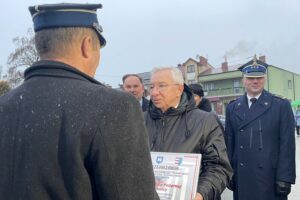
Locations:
283 188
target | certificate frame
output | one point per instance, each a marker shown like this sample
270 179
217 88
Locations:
176 175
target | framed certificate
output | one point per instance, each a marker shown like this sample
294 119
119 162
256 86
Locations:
176 175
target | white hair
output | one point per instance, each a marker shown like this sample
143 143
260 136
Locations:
176 73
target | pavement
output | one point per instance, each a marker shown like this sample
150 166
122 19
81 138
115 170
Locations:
295 193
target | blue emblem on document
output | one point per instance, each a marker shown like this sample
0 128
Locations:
159 159
178 161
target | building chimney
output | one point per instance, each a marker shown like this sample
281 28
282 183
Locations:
203 61
225 66
262 59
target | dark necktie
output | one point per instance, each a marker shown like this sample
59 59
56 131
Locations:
253 100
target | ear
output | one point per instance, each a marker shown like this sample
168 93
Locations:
180 90
86 47
181 87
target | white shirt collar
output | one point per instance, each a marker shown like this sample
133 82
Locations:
248 98
141 101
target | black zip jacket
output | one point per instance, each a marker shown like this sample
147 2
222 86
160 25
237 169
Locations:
186 129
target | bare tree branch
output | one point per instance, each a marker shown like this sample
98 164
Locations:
23 56
4 87
25 53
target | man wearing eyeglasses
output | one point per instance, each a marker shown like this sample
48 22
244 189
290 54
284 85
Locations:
176 125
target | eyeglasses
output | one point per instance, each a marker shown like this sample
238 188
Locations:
161 87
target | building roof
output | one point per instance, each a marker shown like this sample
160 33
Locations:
219 70
202 62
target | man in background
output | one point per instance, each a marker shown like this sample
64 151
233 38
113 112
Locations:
201 102
63 134
133 84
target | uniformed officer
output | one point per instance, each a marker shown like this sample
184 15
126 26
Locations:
63 134
260 139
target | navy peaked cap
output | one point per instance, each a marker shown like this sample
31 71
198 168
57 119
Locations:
67 15
254 68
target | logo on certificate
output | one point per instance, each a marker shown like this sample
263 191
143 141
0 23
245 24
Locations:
159 159
178 161
176 174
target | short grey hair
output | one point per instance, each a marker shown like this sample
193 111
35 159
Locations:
176 73
55 42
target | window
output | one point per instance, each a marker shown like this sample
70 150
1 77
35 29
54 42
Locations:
190 68
289 84
236 83
236 86
209 86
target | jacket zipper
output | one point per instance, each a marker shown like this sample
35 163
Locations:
162 137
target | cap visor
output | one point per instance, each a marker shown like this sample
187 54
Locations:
254 74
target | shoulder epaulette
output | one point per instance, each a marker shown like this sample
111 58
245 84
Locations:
279 97
232 101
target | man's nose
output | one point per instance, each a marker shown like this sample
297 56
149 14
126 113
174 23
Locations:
154 91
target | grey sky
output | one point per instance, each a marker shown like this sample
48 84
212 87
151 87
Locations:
142 34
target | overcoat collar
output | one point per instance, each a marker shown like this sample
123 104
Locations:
56 69
247 115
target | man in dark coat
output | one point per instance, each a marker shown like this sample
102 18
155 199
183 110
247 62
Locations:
260 139
201 102
176 125
63 135
133 84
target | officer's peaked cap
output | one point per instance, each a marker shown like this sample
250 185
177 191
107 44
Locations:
254 68
67 15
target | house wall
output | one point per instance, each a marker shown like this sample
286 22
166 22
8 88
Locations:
191 76
223 83
297 86
200 67
280 82
220 76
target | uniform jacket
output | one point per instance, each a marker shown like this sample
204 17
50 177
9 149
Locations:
145 104
187 129
63 135
261 145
